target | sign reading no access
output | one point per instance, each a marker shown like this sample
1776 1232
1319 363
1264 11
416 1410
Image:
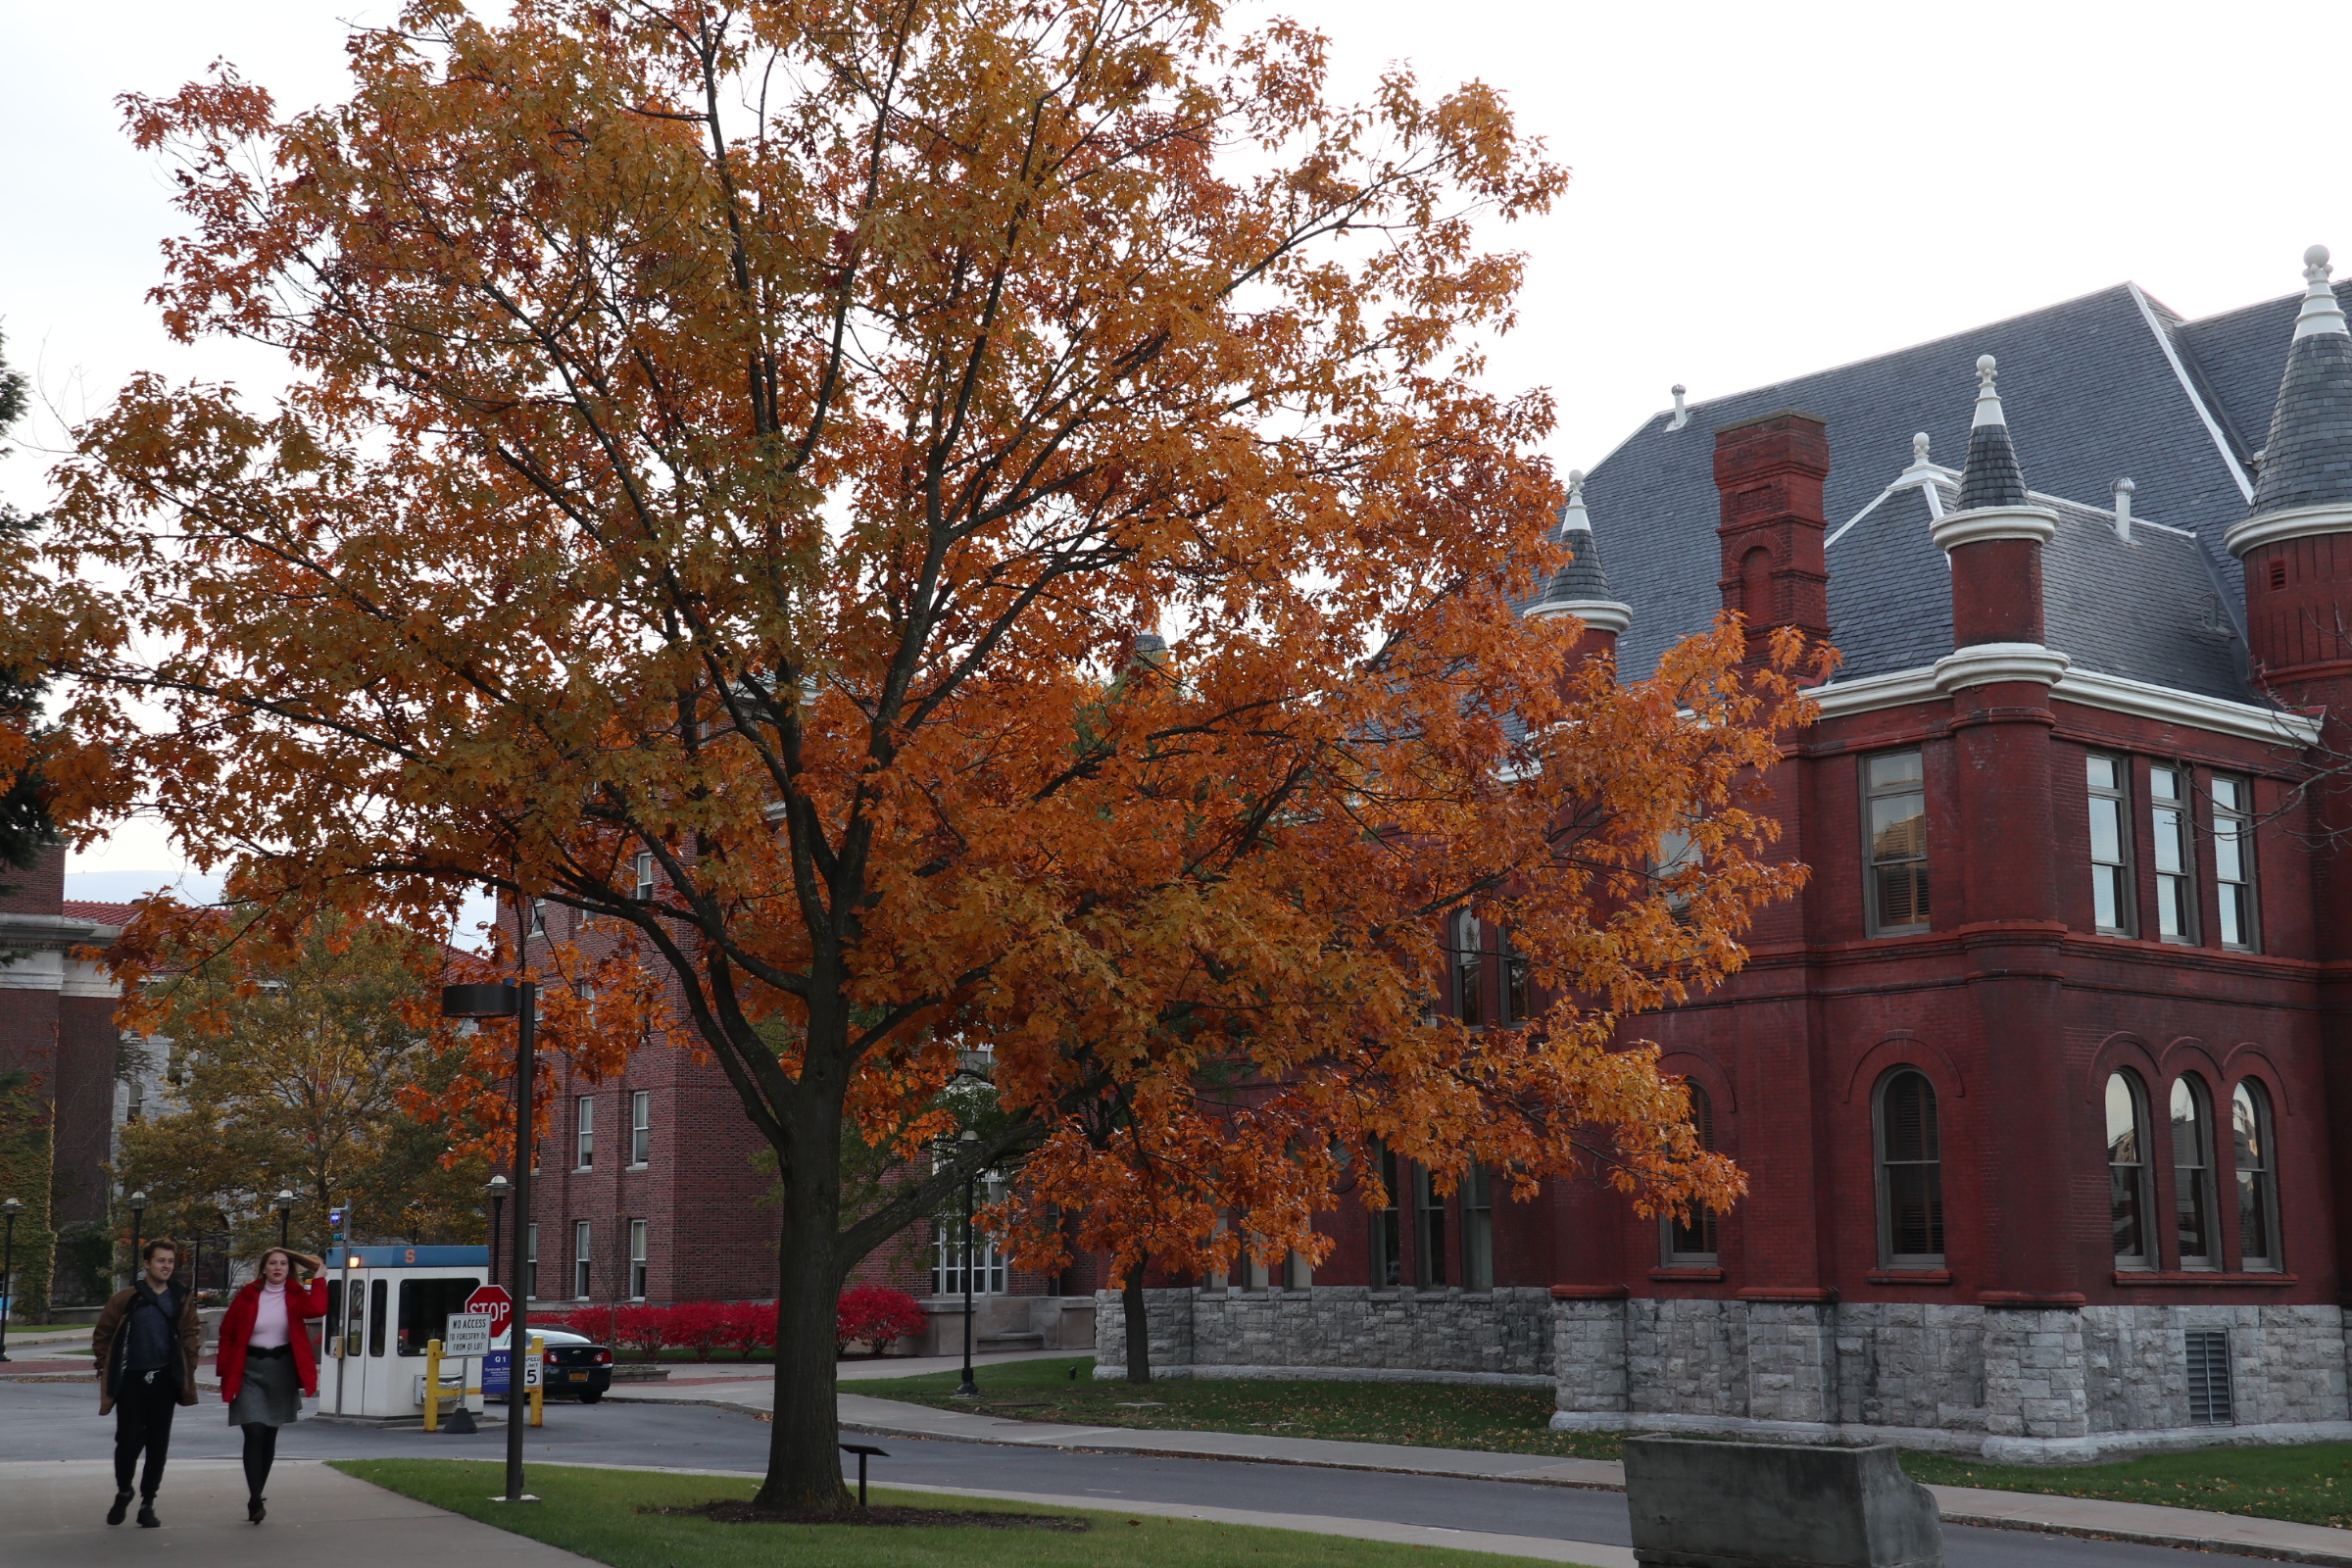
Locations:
468 1335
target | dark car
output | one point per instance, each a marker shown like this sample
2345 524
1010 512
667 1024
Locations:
576 1366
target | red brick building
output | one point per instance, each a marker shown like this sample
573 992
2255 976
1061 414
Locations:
2035 1084
57 1025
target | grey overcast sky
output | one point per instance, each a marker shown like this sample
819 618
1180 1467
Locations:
1760 190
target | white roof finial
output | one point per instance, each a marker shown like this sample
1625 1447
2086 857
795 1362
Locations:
1682 415
1575 516
1988 400
2321 313
1923 467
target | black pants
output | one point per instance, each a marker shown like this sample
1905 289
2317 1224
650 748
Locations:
143 1424
260 1448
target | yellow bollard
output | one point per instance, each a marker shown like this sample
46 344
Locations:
538 1382
432 1385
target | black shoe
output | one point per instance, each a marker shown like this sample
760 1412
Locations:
255 1512
120 1509
147 1518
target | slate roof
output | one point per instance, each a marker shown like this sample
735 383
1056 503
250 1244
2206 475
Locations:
2091 394
1583 578
2308 461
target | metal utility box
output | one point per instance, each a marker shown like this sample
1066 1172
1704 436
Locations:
383 1305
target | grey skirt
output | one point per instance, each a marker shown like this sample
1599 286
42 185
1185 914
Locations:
271 1395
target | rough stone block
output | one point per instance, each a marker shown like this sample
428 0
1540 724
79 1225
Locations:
1698 1505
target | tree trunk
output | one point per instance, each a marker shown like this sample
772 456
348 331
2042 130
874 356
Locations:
1139 1325
803 1458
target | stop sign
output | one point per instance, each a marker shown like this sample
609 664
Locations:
493 1303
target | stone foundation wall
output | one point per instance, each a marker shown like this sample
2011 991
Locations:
1500 1336
2024 1385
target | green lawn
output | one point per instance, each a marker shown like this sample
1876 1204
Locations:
596 1514
2311 1483
1422 1415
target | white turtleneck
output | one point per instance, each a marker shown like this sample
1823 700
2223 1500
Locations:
269 1324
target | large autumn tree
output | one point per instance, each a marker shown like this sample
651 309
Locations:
761 438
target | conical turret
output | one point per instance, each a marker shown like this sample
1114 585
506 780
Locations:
1581 588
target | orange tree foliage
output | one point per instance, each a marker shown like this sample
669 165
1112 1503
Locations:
756 438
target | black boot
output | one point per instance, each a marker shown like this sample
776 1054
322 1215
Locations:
120 1509
255 1512
147 1518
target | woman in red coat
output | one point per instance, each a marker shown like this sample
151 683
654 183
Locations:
267 1363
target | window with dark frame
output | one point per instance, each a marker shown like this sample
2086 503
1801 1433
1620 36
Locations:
2233 860
1910 1172
1478 1229
1387 1249
2129 1194
1690 1241
2210 1399
1469 969
2175 895
1518 992
1428 1231
2192 1173
2111 901
2257 1179
1895 822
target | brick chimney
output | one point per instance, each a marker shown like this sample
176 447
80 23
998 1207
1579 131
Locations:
1770 471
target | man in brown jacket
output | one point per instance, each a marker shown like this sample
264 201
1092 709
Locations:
146 1348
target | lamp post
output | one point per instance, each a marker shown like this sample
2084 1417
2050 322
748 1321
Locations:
8 1269
498 1190
521 1004
286 1213
967 1390
138 1221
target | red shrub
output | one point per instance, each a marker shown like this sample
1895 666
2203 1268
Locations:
697 1326
748 1326
641 1328
594 1322
876 1314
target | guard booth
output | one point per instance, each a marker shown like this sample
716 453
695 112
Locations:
383 1305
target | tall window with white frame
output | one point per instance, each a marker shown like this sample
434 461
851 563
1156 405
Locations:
637 1241
583 1129
1387 1240
1478 1229
1910 1172
641 1127
1895 818
2257 1181
2233 860
530 1262
1689 1239
2192 1174
582 1255
949 1253
2111 901
643 871
2168 815
2129 1194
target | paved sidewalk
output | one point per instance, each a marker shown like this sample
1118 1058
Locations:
56 1518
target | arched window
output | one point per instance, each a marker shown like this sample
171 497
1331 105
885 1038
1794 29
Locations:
1910 1172
1469 969
2127 1193
2192 1173
1691 1243
2257 1181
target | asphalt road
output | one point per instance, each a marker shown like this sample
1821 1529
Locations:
61 1421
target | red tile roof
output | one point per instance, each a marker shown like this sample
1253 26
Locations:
103 914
